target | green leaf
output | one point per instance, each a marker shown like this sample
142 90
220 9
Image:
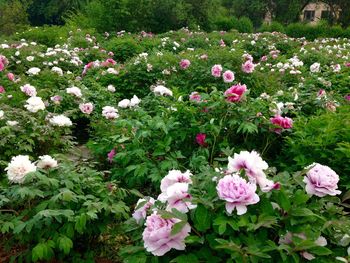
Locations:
65 244
283 200
320 251
177 227
202 218
190 258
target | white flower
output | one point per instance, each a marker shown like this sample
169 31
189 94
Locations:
29 90
111 88
34 104
110 112
57 70
18 168
314 68
125 103
33 71
163 91
46 161
112 71
30 58
75 91
61 121
11 123
135 101
2 114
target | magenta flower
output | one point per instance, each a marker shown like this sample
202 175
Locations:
235 93
237 193
283 122
321 180
248 66
321 93
195 96
347 97
157 236
111 155
2 89
184 63
216 71
200 139
228 76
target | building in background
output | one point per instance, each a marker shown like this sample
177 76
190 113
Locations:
318 10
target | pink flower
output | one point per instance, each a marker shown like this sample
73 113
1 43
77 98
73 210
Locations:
2 89
237 193
157 236
111 155
347 97
11 76
283 122
141 212
254 167
222 43
195 96
173 177
2 66
86 108
321 93
248 66
177 197
216 71
29 90
263 58
184 63
204 56
200 139
321 180
228 76
56 99
235 93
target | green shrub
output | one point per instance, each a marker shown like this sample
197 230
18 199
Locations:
124 48
224 23
274 26
13 17
245 25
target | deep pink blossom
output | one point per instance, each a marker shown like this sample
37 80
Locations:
282 122
11 76
235 93
111 155
347 97
195 96
2 89
200 139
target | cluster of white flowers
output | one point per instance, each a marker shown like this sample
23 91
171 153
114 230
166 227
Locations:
61 121
74 91
34 104
110 112
162 90
126 103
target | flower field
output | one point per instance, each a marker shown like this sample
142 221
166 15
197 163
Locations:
180 147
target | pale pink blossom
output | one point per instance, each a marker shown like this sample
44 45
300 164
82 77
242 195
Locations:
141 212
29 90
185 63
157 235
86 108
195 96
321 181
175 176
216 71
228 76
11 76
248 66
237 193
2 89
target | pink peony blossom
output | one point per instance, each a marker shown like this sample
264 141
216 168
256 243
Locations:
2 66
56 99
248 66
283 122
216 71
321 93
235 93
228 76
29 90
321 181
200 139
254 167
263 58
157 236
347 97
175 176
141 212
11 76
237 193
222 43
111 155
86 108
177 197
204 56
195 96
184 63
2 89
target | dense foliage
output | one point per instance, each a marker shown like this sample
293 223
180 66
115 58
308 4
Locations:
237 145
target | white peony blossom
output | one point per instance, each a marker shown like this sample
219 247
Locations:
11 123
61 121
110 112
2 114
18 168
30 58
75 91
33 71
34 104
163 91
125 103
57 70
46 161
135 101
111 88
314 68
